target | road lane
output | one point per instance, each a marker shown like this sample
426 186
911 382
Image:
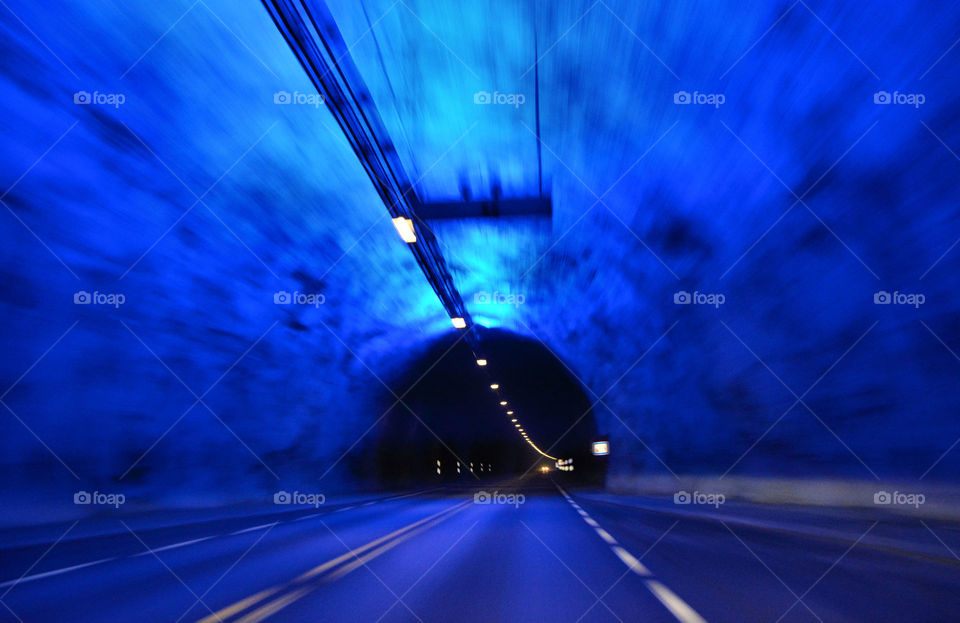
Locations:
445 557
161 586
493 562
747 570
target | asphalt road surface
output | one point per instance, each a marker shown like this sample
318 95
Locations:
533 552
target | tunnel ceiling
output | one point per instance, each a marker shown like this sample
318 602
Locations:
796 228
651 198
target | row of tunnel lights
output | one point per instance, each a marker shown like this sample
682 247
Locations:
510 414
404 227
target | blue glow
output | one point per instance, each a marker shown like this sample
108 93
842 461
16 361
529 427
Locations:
103 197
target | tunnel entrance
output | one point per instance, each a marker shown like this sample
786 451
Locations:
455 422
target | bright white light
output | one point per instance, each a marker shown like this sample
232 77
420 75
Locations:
459 323
509 412
513 419
601 448
481 362
495 386
503 403
405 229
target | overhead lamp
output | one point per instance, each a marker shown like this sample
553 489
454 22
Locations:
509 412
503 403
495 386
481 362
459 323
517 425
404 227
514 420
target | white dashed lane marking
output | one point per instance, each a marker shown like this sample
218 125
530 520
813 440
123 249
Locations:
628 559
677 607
606 536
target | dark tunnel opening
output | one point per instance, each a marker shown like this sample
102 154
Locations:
450 425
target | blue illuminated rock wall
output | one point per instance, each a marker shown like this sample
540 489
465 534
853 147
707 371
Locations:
797 196
698 200
197 199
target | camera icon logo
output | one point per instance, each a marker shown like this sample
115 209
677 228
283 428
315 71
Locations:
681 97
282 297
81 97
481 497
281 97
681 497
281 497
482 297
81 497
482 97
881 298
681 298
81 298
881 97
882 497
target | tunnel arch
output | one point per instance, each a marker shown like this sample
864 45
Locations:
450 413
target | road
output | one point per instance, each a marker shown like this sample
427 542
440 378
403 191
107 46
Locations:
441 556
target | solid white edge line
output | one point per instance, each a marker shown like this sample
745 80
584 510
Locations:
245 530
47 574
173 546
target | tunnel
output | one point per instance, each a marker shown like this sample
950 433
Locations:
604 309
446 414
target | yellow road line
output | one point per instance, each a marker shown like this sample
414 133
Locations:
357 555
354 553
243 604
282 602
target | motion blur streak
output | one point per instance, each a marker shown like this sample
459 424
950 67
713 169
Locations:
479 310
